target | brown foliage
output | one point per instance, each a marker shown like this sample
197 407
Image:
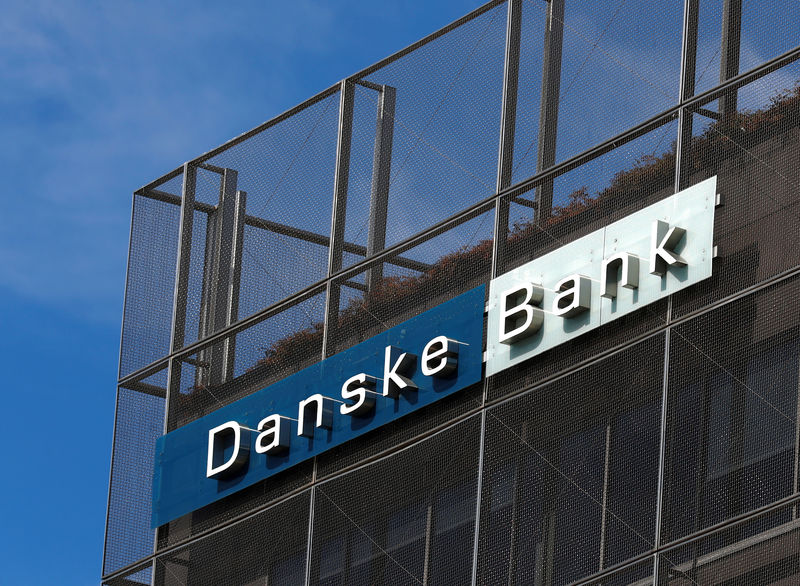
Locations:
648 173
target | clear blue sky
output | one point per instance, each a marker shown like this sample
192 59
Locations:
97 99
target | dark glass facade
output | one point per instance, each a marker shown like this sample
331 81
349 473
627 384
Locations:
662 448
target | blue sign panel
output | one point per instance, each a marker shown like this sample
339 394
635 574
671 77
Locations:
405 368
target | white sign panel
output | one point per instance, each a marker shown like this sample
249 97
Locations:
607 274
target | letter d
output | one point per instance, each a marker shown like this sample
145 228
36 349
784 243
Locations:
237 459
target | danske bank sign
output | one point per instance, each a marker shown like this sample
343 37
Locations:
544 303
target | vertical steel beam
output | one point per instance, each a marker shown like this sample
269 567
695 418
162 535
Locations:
341 175
730 51
691 17
516 504
205 325
548 112
796 469
508 122
181 283
686 91
430 524
479 497
339 208
381 172
606 489
545 553
223 266
505 167
227 271
184 257
224 248
663 446
238 212
310 529
508 125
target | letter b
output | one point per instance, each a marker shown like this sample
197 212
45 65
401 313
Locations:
520 315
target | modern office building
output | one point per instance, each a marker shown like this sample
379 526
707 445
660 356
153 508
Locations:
645 436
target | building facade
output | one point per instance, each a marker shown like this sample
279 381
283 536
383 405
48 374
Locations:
660 448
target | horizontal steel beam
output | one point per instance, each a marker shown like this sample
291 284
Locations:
287 230
525 202
146 388
355 285
212 168
368 84
708 113
322 240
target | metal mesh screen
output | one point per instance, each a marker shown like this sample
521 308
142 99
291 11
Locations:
150 285
237 365
193 330
267 548
754 154
446 124
267 273
287 169
764 550
413 281
232 507
640 574
141 575
603 190
608 81
586 477
567 492
529 95
406 519
733 410
767 30
362 179
393 435
140 420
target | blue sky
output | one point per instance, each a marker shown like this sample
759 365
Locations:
97 99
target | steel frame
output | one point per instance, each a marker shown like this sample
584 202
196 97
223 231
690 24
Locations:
694 104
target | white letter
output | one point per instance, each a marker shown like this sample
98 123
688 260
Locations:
324 415
273 429
511 330
394 380
624 266
364 403
573 296
662 253
240 452
447 362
